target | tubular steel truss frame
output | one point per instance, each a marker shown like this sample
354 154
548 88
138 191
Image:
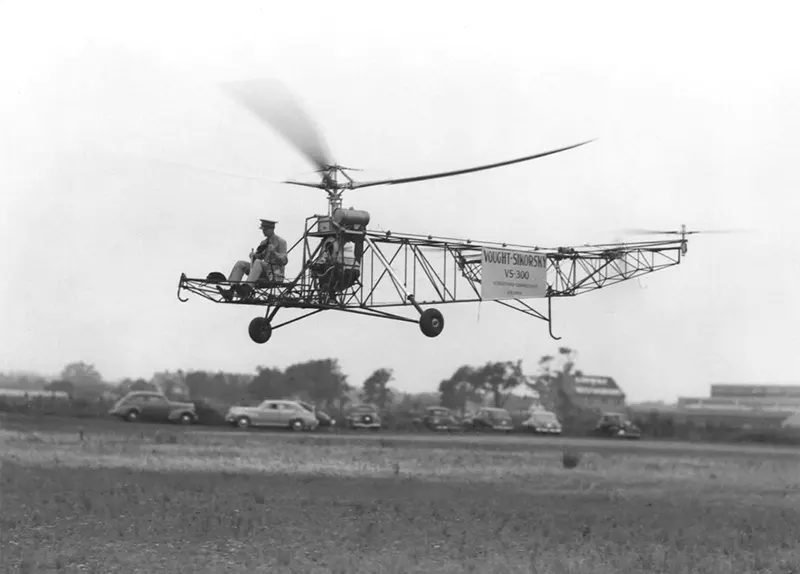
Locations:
571 271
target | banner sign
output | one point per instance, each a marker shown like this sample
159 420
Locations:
507 274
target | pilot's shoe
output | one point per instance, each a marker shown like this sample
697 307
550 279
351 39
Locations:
244 291
227 294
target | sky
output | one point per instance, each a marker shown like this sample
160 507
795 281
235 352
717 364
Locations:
123 164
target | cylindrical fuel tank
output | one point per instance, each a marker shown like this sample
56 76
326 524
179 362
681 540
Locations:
348 217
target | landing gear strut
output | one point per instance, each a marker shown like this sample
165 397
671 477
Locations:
260 330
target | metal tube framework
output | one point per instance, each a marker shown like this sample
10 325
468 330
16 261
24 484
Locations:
401 270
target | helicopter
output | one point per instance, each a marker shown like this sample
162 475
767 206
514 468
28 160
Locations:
348 267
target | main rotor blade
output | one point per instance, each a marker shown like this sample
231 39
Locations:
274 104
463 171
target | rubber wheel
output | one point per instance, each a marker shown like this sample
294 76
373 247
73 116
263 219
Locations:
260 330
431 322
132 417
296 425
215 277
242 422
186 419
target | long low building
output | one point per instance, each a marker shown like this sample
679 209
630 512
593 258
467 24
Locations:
744 391
743 405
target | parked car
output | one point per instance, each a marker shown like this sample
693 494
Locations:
542 422
363 417
323 418
153 406
273 413
439 419
491 418
616 425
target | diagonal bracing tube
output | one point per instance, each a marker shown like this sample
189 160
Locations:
399 285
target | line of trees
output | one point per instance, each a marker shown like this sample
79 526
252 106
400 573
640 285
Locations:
322 382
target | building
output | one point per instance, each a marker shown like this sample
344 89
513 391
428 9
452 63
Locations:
595 392
769 392
751 406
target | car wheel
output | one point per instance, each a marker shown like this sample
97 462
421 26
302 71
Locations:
186 419
132 416
297 425
243 422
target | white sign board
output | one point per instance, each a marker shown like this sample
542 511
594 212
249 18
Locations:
507 274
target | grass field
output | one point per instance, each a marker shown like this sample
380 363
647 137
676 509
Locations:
141 498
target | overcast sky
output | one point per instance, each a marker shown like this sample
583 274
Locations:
116 139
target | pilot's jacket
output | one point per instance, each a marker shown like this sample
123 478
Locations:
273 252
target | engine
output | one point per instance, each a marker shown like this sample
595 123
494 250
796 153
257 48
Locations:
351 218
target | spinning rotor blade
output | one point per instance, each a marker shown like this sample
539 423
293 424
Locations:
463 171
274 104
687 232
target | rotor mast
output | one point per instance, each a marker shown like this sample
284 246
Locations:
333 187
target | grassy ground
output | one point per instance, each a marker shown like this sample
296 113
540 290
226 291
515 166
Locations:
139 499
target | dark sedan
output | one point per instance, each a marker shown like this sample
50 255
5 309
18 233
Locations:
439 419
615 425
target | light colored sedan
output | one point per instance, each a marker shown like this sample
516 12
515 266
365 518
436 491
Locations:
273 413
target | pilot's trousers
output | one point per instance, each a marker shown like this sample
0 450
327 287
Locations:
258 269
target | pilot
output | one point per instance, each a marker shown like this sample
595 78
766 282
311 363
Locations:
338 266
268 261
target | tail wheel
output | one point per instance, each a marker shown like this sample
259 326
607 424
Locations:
431 322
260 330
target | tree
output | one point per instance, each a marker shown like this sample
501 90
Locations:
375 389
64 386
551 383
459 389
499 379
225 387
84 378
269 383
81 374
319 381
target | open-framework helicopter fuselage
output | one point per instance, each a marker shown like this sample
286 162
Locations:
387 271
345 266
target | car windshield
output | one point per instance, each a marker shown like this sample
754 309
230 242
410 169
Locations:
500 415
547 417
